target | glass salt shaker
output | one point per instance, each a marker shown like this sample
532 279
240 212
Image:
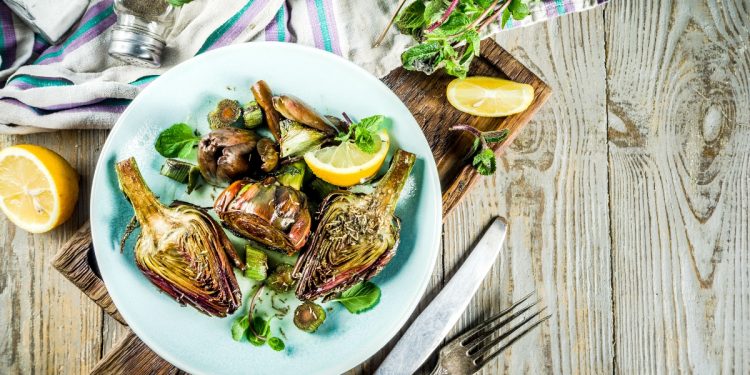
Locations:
140 34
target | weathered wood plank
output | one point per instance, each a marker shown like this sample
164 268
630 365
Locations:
48 325
552 187
679 128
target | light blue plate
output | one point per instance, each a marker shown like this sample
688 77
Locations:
203 345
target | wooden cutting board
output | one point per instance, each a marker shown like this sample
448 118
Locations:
425 98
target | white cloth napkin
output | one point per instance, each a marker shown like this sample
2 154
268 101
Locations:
78 85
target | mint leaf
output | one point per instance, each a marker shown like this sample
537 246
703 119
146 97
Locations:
497 136
178 3
178 140
455 24
276 344
433 11
411 19
519 9
422 57
364 133
485 162
360 297
239 328
258 334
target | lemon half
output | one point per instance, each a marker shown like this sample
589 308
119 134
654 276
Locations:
489 97
38 188
346 165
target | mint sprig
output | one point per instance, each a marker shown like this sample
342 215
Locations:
362 133
482 156
448 31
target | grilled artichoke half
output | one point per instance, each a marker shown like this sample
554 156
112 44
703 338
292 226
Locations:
181 249
357 235
267 212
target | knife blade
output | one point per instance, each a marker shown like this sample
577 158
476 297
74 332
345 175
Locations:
434 323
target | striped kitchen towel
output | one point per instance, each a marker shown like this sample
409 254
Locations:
77 85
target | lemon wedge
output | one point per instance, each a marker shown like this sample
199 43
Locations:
489 97
38 188
346 165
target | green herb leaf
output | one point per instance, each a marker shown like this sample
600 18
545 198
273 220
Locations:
178 3
485 162
433 11
258 335
506 18
519 9
276 344
360 297
364 133
455 24
498 136
411 19
178 140
239 328
422 57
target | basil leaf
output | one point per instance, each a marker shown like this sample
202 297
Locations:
239 328
360 297
411 19
276 344
422 57
485 162
178 140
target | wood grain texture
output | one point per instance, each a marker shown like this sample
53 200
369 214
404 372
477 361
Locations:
679 130
131 355
425 98
552 188
48 326
75 260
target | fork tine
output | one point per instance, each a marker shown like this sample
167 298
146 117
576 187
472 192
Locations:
464 338
488 357
491 329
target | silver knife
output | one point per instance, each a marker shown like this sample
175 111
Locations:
434 323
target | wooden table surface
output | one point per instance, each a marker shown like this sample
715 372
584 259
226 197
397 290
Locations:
628 199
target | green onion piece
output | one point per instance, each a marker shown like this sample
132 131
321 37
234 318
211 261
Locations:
292 174
257 263
182 172
252 116
177 170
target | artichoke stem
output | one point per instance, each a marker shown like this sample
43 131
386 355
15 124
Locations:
145 204
386 194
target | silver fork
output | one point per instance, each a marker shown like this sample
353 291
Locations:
468 353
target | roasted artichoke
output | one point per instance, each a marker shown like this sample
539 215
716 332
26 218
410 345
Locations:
296 139
229 154
181 249
267 212
356 236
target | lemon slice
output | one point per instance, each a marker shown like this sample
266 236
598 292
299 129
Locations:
489 97
346 165
38 188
